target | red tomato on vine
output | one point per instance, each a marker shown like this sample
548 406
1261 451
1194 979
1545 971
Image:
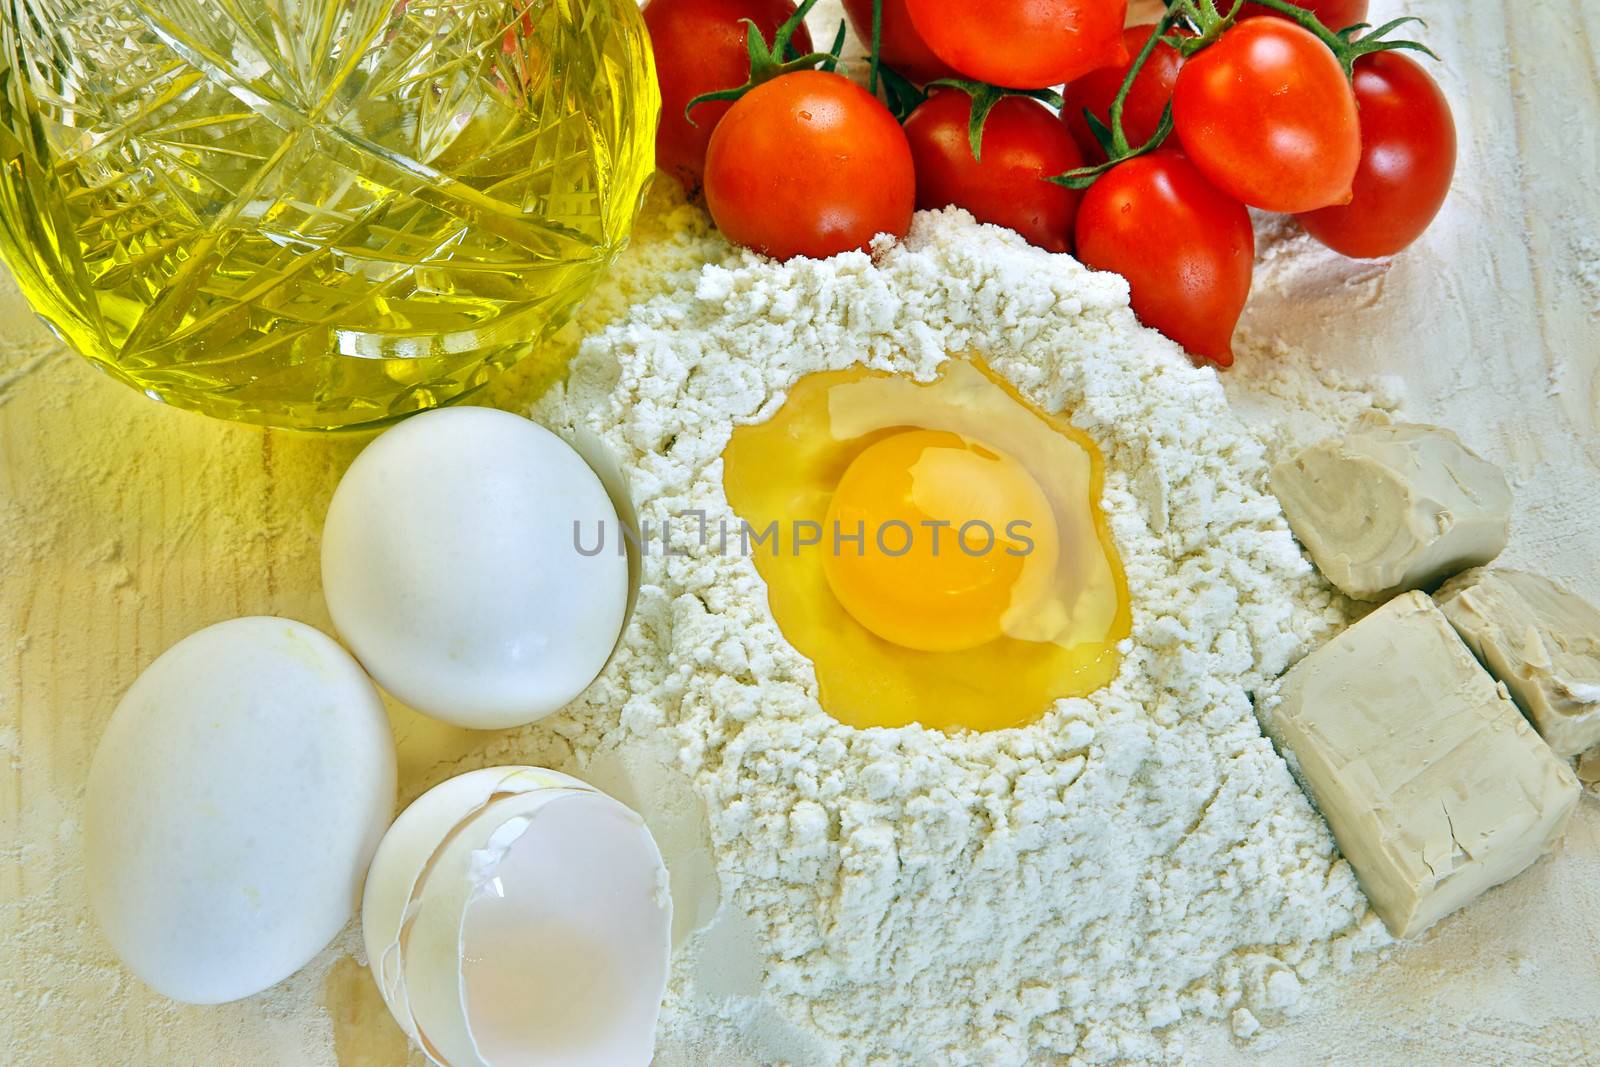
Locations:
1334 14
1147 99
809 164
1023 144
1408 157
1267 114
700 48
1023 44
900 47
1186 249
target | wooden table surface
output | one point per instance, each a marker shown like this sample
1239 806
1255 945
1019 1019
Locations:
126 525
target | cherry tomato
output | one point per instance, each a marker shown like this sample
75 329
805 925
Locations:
902 47
1023 144
809 164
1147 99
1269 117
1408 156
1186 249
700 48
1023 44
1334 14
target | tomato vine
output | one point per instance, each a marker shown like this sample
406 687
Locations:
984 98
1204 22
1208 22
769 61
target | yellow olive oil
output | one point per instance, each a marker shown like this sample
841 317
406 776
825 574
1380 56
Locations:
317 213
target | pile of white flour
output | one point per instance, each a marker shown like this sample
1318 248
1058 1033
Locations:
1063 891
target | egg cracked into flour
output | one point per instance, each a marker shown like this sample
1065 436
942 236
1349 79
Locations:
937 549
1059 892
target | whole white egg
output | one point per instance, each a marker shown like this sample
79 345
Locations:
452 567
234 803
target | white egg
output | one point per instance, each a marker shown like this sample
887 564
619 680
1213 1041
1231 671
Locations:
234 803
518 917
452 567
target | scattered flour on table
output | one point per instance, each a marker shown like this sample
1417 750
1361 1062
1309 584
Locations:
1290 398
1062 892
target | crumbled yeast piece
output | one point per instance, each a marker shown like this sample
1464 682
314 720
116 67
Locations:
1435 786
1542 641
1589 770
1387 508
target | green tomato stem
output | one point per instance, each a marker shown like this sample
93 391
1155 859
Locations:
877 45
1343 45
1113 137
1119 136
767 61
984 98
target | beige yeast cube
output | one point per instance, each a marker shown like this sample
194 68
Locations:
1435 786
1391 507
1542 641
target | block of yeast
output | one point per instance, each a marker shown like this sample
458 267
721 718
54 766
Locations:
1539 639
1435 786
1390 507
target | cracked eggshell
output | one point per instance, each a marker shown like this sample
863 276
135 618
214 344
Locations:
517 916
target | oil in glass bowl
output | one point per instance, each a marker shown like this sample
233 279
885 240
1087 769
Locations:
317 213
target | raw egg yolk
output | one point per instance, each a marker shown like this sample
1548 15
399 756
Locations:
934 538
867 502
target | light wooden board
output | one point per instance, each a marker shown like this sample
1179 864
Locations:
125 526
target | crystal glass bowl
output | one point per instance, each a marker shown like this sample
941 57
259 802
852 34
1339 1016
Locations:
317 213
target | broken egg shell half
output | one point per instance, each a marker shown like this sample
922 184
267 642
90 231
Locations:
519 917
